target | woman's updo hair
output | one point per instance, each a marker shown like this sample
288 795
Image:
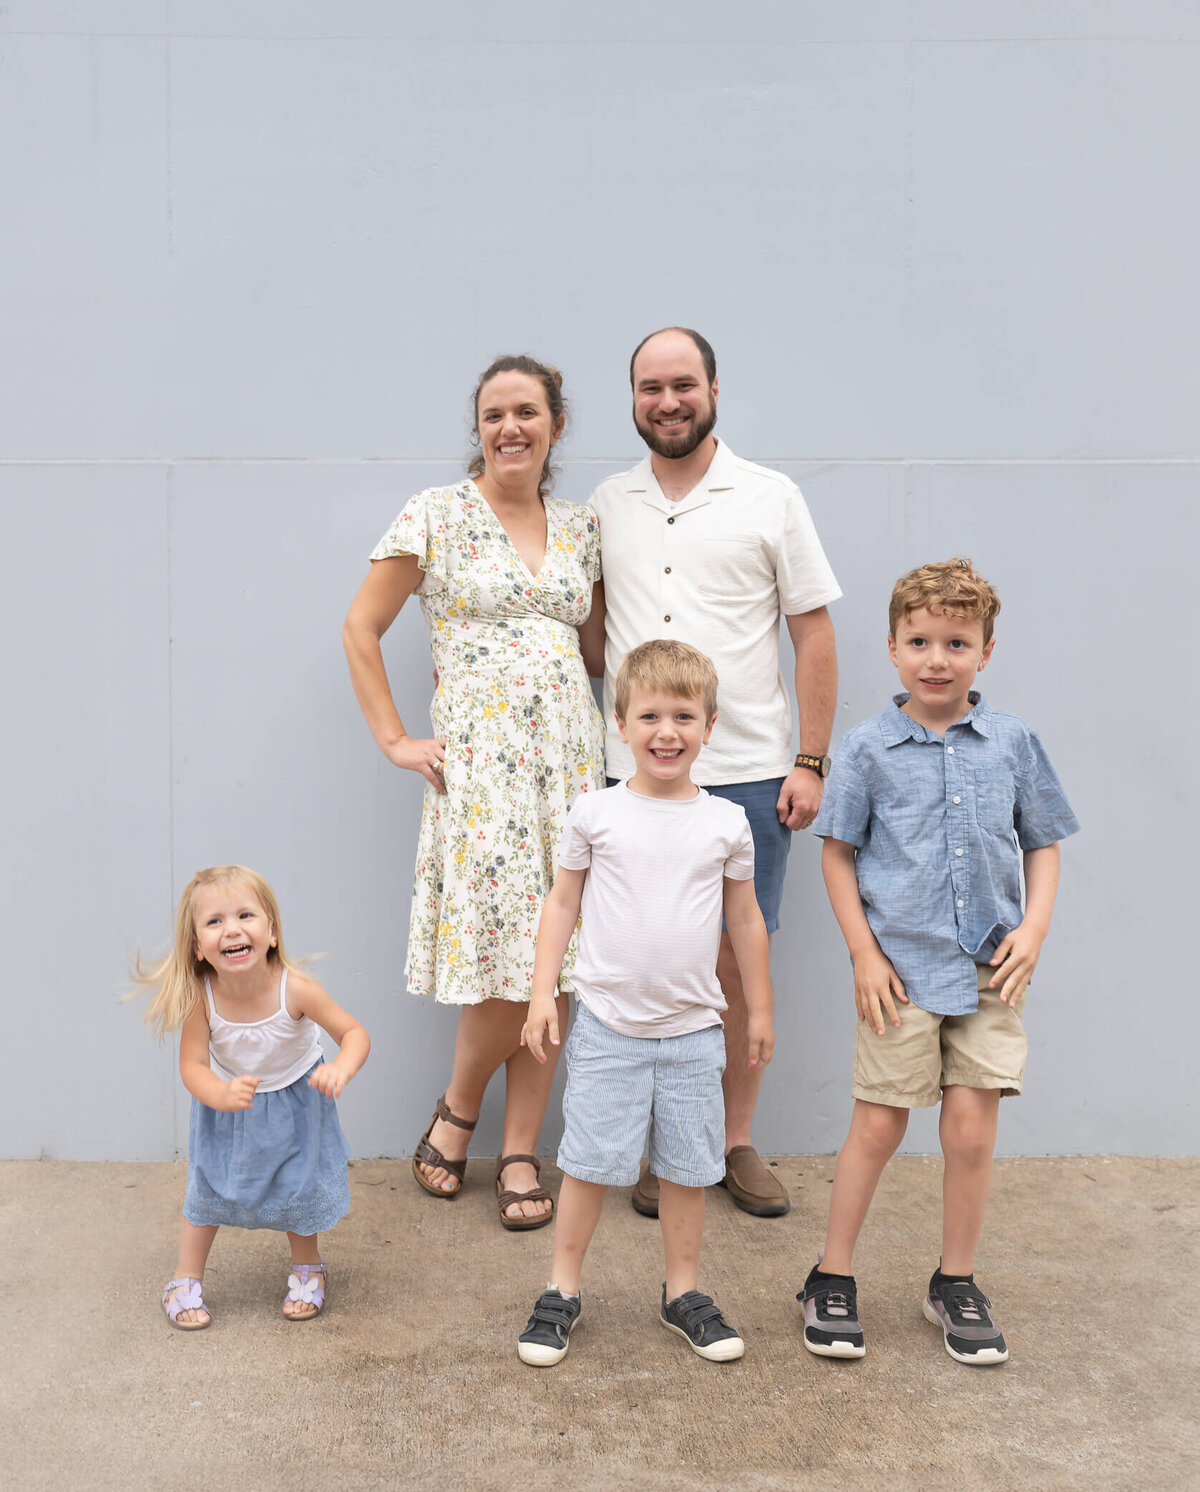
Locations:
551 382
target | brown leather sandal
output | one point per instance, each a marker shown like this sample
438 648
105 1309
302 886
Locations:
505 1199
429 1155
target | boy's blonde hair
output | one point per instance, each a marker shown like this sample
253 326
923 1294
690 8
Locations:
675 667
953 585
178 978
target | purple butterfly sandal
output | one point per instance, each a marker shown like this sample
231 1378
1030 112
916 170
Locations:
306 1284
181 1295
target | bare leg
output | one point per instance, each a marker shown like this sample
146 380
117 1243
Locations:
740 1085
579 1204
304 1251
194 1244
875 1131
681 1217
527 1092
967 1130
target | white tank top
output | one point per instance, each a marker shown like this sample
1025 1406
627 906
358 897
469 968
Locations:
277 1051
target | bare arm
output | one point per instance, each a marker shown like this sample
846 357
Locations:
560 913
1018 954
816 698
591 634
353 1042
389 584
877 986
198 1077
752 949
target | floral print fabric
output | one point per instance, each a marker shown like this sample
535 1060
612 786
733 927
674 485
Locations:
523 735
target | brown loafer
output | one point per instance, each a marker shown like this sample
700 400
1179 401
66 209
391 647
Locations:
752 1186
645 1194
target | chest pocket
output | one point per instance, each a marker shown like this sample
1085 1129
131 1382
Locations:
731 568
995 794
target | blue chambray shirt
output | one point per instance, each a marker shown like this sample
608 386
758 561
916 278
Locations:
939 827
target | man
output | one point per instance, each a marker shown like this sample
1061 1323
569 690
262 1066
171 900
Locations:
701 546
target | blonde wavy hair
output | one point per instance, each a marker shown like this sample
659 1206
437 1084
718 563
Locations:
674 667
178 979
953 585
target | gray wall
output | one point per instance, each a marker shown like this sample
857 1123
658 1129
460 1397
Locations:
254 255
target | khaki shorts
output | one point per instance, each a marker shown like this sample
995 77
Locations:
909 1065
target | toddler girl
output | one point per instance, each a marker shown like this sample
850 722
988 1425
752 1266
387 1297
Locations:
265 1149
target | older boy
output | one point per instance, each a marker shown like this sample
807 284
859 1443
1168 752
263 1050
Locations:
653 863
922 818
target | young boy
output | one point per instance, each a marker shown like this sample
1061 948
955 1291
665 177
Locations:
922 818
653 863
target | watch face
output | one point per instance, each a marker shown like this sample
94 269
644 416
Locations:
826 763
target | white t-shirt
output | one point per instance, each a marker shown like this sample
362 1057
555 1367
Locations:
716 569
652 904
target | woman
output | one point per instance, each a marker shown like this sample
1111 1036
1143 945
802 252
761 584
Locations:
504 576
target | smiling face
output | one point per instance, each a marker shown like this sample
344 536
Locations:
674 406
233 931
938 657
515 428
665 732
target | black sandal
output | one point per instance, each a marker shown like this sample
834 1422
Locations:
429 1155
521 1224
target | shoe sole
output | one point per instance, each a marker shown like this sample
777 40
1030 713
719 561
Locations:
538 1356
835 1349
727 1351
988 1357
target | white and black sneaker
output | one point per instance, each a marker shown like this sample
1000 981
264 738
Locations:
697 1318
547 1335
963 1311
831 1324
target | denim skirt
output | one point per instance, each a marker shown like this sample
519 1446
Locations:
279 1164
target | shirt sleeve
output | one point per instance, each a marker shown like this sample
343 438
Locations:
1041 814
575 852
845 810
803 576
739 863
420 529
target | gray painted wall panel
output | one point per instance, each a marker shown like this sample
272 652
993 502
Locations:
947 266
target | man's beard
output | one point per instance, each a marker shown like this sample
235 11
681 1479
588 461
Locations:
674 447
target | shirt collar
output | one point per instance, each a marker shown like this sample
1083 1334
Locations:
721 476
897 726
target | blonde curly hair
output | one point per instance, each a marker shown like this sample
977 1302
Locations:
954 586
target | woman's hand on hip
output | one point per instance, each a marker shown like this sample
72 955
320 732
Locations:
426 757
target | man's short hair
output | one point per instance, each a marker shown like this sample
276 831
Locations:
707 356
953 585
674 667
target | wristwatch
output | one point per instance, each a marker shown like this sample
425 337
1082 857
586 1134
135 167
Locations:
818 764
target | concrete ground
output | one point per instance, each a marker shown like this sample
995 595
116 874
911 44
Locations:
410 1378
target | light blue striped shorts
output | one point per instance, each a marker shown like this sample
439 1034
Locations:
620 1086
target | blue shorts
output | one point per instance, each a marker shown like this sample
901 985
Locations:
772 840
618 1086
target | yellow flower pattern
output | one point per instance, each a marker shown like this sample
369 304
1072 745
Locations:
523 735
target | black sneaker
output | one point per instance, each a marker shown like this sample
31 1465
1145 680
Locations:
547 1335
831 1324
696 1318
963 1312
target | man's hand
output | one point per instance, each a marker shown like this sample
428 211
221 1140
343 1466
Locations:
877 987
799 798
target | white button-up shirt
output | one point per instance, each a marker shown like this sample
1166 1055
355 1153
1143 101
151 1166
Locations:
716 569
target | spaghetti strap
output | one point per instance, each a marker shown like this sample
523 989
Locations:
283 990
212 1004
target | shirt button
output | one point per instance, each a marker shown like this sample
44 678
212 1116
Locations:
670 520
949 750
667 619
667 570
956 800
962 903
958 852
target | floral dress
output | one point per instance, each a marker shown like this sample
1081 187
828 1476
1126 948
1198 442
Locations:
523 735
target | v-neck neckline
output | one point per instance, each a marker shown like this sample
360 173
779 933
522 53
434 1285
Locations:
534 575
